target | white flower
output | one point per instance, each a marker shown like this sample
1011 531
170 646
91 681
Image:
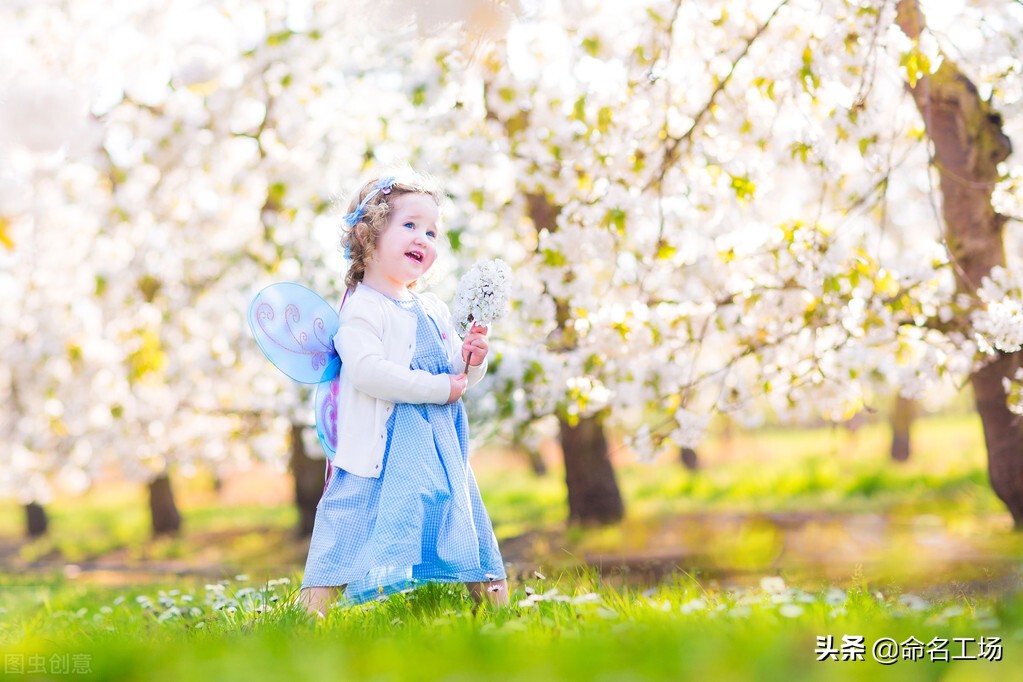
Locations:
587 598
482 294
1000 324
696 604
642 444
835 596
791 610
913 602
691 428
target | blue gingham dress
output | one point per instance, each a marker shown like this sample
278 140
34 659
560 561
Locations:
423 519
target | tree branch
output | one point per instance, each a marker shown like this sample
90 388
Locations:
671 153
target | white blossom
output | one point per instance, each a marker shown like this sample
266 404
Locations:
482 295
642 444
1000 323
691 428
155 174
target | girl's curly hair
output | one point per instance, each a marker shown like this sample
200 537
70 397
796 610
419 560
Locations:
360 240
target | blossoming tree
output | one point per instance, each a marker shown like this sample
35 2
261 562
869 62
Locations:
707 196
699 202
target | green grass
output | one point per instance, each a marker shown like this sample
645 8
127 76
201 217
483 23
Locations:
865 547
571 628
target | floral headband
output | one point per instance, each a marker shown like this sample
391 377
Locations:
383 185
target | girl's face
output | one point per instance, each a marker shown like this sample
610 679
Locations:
407 246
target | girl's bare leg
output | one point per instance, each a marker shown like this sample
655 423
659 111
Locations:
317 600
495 592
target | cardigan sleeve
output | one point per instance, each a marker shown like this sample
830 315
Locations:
361 348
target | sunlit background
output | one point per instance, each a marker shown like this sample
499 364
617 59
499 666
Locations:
740 371
740 341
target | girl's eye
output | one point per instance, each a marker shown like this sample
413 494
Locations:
411 226
431 234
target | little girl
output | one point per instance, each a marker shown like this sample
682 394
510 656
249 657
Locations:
401 504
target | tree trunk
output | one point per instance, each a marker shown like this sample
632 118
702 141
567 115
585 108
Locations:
308 473
533 456
593 495
689 459
536 463
36 522
1003 435
903 414
968 145
162 509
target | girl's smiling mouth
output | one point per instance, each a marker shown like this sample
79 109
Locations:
417 256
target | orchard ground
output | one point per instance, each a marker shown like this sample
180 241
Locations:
730 572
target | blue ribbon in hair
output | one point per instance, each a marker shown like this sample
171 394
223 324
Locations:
352 219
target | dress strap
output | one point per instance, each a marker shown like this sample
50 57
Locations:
326 477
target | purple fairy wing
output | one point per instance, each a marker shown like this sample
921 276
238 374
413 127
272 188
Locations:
295 329
326 410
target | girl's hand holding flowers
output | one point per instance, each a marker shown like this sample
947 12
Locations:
475 346
481 298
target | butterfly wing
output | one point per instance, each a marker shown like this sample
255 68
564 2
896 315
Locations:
294 328
326 408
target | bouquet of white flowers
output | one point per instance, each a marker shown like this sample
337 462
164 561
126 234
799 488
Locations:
482 295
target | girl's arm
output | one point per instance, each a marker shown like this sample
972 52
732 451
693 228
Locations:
360 344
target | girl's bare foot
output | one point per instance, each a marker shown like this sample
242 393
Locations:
317 600
495 592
